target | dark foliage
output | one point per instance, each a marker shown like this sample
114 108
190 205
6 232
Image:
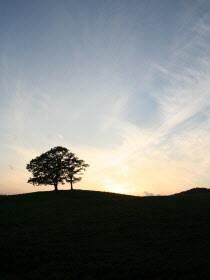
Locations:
57 165
75 167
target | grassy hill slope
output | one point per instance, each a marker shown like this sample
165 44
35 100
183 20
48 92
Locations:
95 235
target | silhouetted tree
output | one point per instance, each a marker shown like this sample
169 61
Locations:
74 168
48 168
56 166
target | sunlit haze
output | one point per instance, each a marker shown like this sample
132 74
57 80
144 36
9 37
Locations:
124 84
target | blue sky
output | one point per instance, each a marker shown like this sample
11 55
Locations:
123 84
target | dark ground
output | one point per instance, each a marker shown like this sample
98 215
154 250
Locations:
94 235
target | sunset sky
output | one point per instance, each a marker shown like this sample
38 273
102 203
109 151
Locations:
124 84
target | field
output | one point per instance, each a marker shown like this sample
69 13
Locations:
95 235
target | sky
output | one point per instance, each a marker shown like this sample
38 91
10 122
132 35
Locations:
123 84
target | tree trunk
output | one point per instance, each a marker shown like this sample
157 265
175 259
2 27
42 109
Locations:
56 187
71 185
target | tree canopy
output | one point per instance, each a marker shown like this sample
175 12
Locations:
74 168
57 165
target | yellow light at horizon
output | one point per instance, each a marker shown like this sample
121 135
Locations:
119 188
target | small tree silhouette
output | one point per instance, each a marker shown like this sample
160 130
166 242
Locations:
55 166
74 168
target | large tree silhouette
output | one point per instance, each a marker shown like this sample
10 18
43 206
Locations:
53 167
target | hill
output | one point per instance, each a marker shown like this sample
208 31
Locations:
195 191
95 235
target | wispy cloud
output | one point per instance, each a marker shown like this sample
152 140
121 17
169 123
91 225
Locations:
11 167
175 155
148 193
